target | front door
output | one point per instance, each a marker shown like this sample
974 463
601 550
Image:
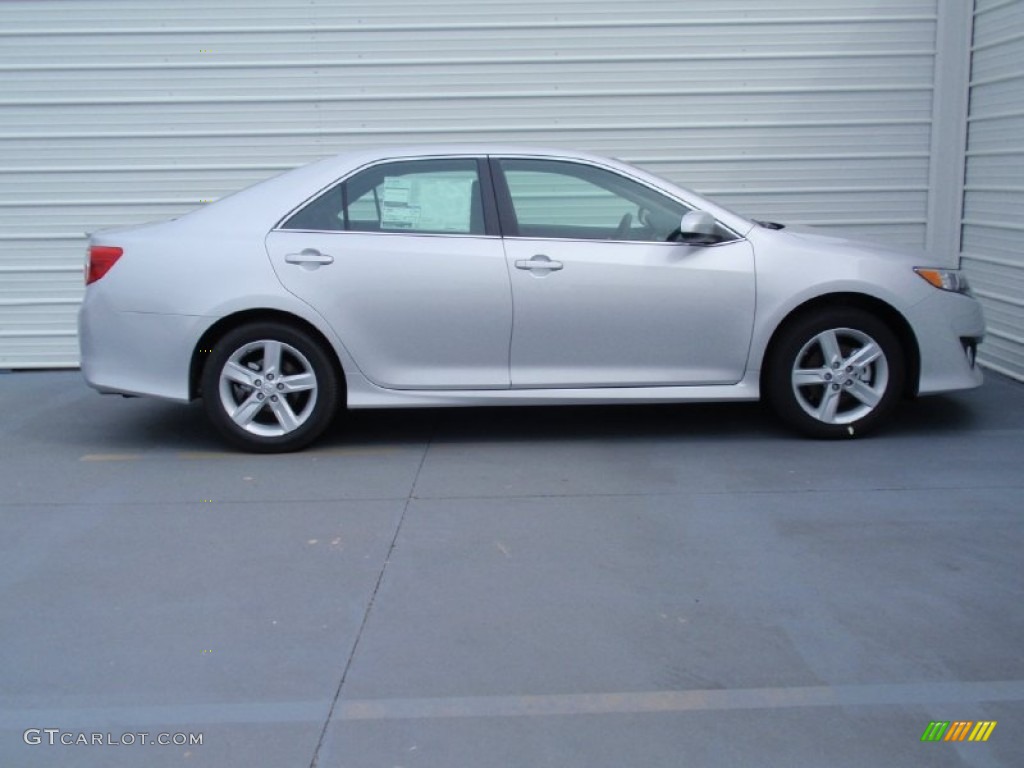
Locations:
601 299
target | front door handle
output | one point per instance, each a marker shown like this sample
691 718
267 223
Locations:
540 262
310 258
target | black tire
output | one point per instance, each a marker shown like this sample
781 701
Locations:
840 397
278 407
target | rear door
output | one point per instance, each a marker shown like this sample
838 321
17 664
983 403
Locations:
404 262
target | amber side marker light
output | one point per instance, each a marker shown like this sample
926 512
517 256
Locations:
101 259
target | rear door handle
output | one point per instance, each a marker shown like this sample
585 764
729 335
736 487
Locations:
540 262
310 258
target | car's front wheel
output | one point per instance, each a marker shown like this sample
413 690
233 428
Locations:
836 373
269 387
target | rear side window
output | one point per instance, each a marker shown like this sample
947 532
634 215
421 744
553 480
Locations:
415 196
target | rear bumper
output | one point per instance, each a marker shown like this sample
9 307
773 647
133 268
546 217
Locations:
136 353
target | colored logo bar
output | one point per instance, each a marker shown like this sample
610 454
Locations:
958 730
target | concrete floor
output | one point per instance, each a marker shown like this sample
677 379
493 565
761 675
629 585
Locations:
650 586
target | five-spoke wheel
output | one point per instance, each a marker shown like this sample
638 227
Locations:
835 374
269 387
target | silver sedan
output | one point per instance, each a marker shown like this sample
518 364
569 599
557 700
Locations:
460 276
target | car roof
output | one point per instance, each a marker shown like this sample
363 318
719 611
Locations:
357 157
476 149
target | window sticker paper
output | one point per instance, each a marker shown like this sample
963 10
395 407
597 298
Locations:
428 203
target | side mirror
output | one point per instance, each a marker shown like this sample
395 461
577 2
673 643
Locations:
699 228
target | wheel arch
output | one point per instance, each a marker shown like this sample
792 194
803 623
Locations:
235 320
881 309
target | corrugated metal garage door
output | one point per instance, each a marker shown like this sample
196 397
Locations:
121 111
993 233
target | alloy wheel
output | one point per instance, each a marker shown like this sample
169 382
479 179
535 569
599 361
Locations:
268 388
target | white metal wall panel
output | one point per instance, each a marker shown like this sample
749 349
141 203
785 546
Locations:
121 111
993 225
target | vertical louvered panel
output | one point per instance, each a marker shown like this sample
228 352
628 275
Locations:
993 225
115 112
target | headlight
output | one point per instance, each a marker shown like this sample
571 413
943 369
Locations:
946 279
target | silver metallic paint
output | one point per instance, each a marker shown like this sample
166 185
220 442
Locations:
140 324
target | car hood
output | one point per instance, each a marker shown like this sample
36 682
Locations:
811 237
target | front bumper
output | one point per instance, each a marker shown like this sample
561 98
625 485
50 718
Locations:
948 326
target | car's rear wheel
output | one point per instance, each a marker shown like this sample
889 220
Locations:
835 373
269 387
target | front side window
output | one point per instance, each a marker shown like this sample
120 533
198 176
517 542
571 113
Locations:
557 199
415 196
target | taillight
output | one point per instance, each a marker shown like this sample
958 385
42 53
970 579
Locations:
101 259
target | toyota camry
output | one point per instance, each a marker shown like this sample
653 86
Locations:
467 275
